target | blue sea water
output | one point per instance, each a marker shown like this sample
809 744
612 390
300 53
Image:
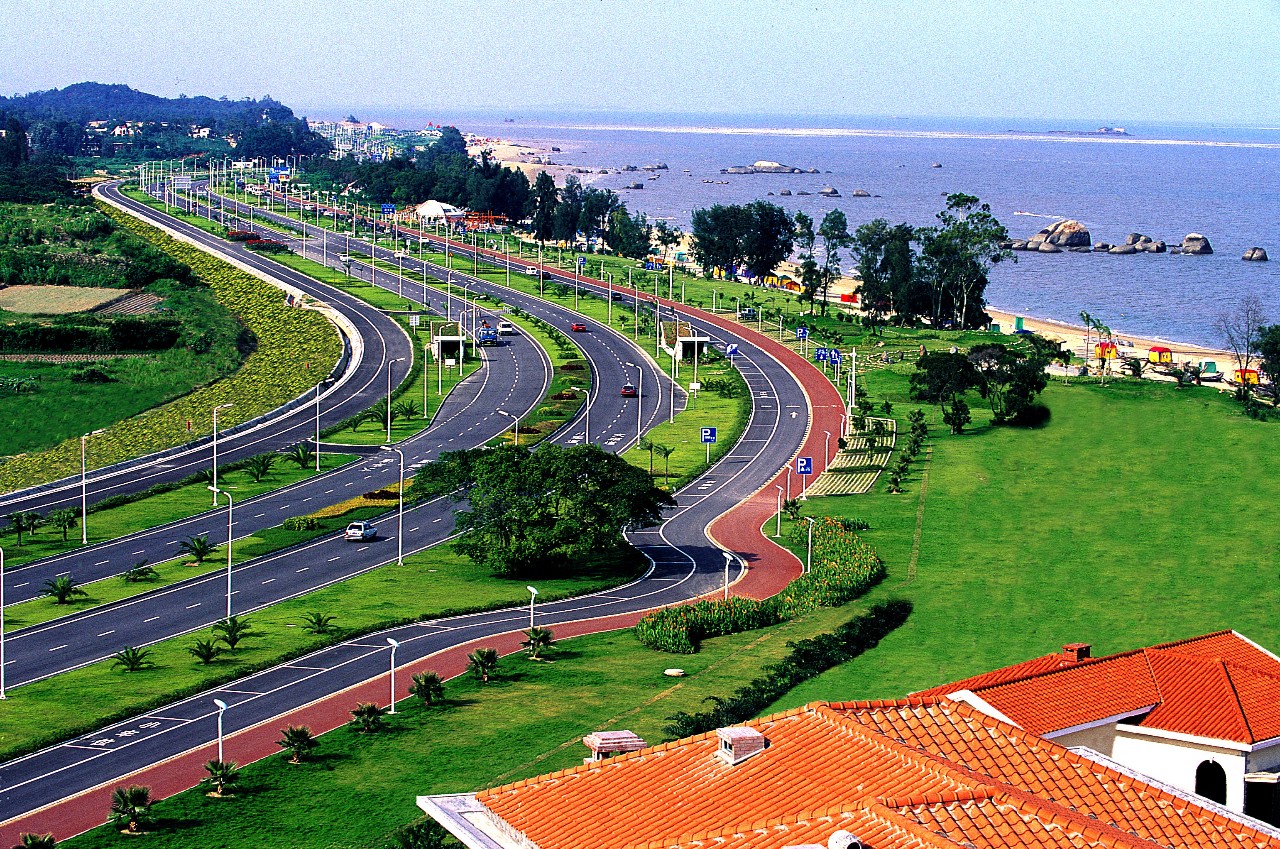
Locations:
1161 180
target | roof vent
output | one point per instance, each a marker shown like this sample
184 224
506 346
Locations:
739 743
843 840
606 744
1075 652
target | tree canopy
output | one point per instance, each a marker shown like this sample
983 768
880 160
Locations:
758 236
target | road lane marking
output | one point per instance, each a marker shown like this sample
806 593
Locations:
55 648
152 619
197 604
104 633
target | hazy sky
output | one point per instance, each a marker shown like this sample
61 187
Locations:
1134 60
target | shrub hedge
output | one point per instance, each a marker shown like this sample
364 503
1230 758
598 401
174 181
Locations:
844 567
808 658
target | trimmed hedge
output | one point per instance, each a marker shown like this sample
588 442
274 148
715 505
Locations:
844 567
807 659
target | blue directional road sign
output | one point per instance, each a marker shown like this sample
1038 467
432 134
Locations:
273 178
731 348
821 354
804 465
388 208
802 333
834 356
708 435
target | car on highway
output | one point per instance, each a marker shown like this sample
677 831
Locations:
628 391
578 327
531 269
506 328
360 532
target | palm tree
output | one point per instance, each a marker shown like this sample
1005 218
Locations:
298 741
63 588
301 454
428 687
232 630
131 808
539 640
1063 358
36 841
197 547
665 451
64 520
647 444
259 465
139 571
205 651
24 521
367 416
406 409
482 663
368 716
318 623
131 658
223 776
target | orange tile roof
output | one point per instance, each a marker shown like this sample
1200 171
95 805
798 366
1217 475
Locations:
1219 685
921 773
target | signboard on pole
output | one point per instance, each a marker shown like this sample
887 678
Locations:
804 465
802 333
582 260
834 356
820 354
415 320
731 349
182 182
708 435
273 178
388 209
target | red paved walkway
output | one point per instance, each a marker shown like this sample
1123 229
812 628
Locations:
769 568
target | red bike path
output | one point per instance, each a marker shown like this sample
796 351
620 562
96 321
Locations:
769 568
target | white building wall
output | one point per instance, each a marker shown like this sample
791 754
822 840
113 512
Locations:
1100 739
1175 761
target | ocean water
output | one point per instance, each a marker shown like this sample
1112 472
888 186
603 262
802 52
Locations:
1163 181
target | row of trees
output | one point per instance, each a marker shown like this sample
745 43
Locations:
909 274
561 214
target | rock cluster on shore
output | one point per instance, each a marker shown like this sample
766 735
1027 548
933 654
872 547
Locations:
1071 235
765 166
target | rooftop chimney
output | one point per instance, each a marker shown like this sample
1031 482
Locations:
1075 652
738 743
606 744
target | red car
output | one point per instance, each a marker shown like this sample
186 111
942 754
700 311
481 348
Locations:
628 391
578 327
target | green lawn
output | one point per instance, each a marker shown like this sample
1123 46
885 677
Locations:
1135 516
527 722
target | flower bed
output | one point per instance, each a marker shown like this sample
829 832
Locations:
293 350
844 567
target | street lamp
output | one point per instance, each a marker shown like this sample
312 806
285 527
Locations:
533 593
394 645
389 364
808 564
639 398
778 532
216 493
728 559
215 449
515 425
2 695
826 450
84 487
400 515
325 382
222 708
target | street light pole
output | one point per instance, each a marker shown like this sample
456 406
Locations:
639 400
808 563
777 533
394 645
400 514
2 695
230 502
389 364
84 488
515 425
215 450
728 558
826 450
533 594
222 708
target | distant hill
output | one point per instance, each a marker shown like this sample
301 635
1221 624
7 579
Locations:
84 102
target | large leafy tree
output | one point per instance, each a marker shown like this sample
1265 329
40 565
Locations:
956 257
1009 380
541 512
545 198
834 231
768 238
885 263
629 235
568 212
719 233
943 378
810 275
1268 348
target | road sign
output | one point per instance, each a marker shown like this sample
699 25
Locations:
834 357
415 320
273 178
582 260
820 354
731 348
802 333
804 465
708 435
182 182
388 209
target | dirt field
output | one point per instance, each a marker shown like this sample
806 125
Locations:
55 300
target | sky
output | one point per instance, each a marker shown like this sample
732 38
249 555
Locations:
1132 61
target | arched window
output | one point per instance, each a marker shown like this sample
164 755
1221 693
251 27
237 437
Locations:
1211 782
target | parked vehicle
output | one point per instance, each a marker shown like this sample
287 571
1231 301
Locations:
360 532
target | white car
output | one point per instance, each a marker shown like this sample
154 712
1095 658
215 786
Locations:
506 328
531 269
360 532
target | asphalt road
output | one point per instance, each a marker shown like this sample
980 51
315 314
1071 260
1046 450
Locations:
686 564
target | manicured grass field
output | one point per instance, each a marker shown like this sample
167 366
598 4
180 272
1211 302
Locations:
530 720
1138 514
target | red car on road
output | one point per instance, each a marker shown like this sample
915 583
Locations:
628 391
578 327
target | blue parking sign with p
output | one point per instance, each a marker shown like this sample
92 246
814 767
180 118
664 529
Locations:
804 465
802 333
708 435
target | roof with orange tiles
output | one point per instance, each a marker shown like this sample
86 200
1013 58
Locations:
1219 685
921 773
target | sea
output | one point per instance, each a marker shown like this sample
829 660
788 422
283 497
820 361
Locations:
1161 180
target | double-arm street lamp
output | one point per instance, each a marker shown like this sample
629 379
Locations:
84 487
230 504
214 487
400 512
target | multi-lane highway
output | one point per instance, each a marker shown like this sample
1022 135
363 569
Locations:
686 564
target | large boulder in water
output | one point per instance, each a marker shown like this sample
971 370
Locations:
1123 249
1255 255
1064 234
1152 247
1196 244
1102 247
831 192
1048 248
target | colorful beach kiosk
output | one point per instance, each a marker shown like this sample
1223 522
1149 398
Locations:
1245 376
1159 354
1105 351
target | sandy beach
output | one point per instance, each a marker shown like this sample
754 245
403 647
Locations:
528 158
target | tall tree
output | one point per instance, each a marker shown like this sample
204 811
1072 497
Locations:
545 199
1008 380
13 145
834 231
629 235
957 257
885 263
1241 329
719 233
810 275
942 378
568 211
768 238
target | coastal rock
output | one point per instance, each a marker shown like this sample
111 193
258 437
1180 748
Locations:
1134 238
831 192
1197 244
861 193
814 171
785 193
630 168
1102 247
1152 247
634 186
1018 245
1081 249
764 166
1255 255
936 165
657 166
1064 234
1123 249
1048 248
803 193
